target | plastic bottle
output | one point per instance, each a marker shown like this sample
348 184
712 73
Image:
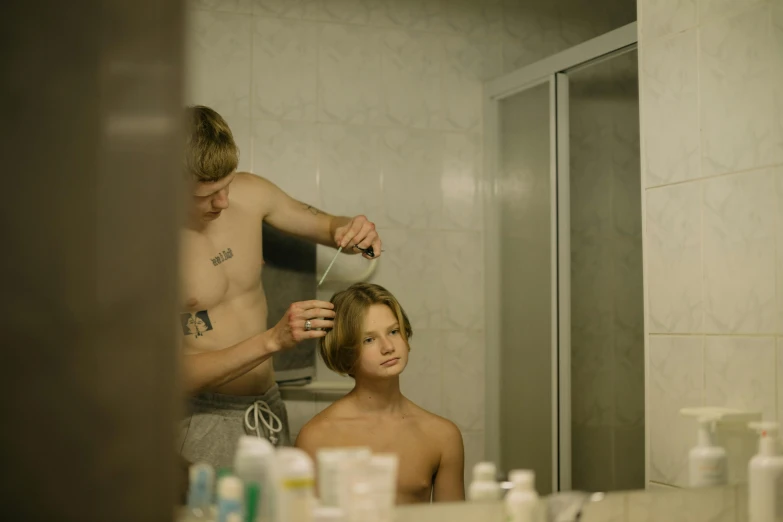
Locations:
254 462
707 461
219 474
296 480
484 486
252 501
382 476
200 488
230 499
765 477
336 468
362 506
522 501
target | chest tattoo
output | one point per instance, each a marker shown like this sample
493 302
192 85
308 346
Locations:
225 255
195 324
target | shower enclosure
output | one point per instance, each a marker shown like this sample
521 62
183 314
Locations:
565 331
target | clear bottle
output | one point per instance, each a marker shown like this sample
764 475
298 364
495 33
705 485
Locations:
707 461
296 480
522 502
765 476
200 488
484 486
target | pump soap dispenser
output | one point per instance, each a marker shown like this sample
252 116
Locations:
765 476
707 460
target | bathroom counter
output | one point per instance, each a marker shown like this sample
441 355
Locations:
450 512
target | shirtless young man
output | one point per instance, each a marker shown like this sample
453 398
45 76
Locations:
227 346
369 342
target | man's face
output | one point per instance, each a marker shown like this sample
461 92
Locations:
210 199
384 347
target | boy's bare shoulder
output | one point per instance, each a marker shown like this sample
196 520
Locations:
319 427
439 426
330 414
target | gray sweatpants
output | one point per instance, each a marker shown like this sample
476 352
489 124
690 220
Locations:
211 432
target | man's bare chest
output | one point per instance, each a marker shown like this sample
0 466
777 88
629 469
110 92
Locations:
217 268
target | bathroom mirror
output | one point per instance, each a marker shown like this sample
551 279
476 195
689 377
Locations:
496 144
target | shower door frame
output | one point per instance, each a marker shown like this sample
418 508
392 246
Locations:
553 71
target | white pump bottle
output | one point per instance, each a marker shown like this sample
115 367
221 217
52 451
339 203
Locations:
707 460
765 476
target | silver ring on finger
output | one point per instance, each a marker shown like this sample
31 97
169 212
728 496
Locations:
308 325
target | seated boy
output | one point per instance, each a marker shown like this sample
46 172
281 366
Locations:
369 342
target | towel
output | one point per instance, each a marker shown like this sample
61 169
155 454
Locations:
288 277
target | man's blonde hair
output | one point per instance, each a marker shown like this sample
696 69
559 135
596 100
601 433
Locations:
212 153
341 347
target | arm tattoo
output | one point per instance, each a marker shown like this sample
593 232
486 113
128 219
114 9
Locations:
225 255
195 324
314 211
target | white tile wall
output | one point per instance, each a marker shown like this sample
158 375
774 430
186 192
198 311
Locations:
736 68
285 69
218 61
711 85
675 381
664 17
740 373
673 251
670 73
739 253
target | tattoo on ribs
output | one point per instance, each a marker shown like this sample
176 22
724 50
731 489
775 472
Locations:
195 324
314 211
225 255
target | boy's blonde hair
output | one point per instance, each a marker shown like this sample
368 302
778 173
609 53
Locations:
341 347
212 153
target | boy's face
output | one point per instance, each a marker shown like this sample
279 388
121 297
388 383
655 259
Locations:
384 347
210 199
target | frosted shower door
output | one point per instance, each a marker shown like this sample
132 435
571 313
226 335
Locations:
524 192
